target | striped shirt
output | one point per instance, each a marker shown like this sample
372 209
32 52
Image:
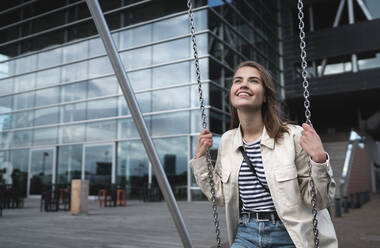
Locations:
253 196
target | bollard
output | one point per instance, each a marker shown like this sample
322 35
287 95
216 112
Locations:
358 202
337 208
345 204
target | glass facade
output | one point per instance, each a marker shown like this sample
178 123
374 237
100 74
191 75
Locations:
62 113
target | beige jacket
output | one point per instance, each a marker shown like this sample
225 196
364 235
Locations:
286 170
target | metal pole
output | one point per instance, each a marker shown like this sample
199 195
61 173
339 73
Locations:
129 96
351 20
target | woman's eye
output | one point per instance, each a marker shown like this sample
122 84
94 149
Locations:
236 81
254 81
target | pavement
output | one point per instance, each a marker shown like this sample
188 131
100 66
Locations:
141 224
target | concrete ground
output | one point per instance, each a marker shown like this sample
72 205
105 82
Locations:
142 224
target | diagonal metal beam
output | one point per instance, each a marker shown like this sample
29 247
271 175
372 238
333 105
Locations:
130 97
364 9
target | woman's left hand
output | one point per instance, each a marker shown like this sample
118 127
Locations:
311 143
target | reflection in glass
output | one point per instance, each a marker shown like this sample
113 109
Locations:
96 47
21 138
48 77
143 100
102 108
19 160
169 28
165 52
171 74
195 95
99 67
50 58
7 68
75 52
135 36
103 87
203 64
98 167
135 58
5 139
196 123
41 170
5 104
45 136
25 64
104 130
24 100
74 72
128 128
140 80
132 168
69 164
173 154
163 99
170 123
25 82
73 92
46 116
71 134
6 86
6 121
73 112
47 96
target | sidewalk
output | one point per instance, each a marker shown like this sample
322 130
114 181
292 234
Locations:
360 227
142 225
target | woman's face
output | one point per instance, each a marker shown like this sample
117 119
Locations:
247 90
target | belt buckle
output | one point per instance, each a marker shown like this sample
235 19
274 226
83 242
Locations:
258 219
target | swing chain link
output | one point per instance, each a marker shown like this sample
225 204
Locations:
204 125
307 113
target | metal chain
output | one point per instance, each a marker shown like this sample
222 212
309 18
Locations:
307 113
204 125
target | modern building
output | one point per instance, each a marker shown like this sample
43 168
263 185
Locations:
62 113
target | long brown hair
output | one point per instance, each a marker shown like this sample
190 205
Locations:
275 126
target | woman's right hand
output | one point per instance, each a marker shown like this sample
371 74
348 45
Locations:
204 143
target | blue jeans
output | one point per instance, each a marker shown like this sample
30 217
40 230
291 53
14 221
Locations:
252 233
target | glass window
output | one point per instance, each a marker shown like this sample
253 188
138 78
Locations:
374 7
69 164
163 99
22 119
104 130
215 96
26 64
196 121
71 133
45 136
25 82
102 108
25 100
143 100
7 69
73 112
171 74
368 62
140 80
102 87
216 122
5 104
195 95
203 66
128 128
99 67
48 77
132 168
170 123
50 58
169 28
169 51
47 96
5 121
136 58
135 36
22 138
74 92
6 86
75 52
46 116
123 108
20 160
173 153
96 47
5 139
200 20
74 72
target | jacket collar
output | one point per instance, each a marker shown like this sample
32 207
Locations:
265 139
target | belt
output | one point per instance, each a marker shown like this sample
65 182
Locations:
261 216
